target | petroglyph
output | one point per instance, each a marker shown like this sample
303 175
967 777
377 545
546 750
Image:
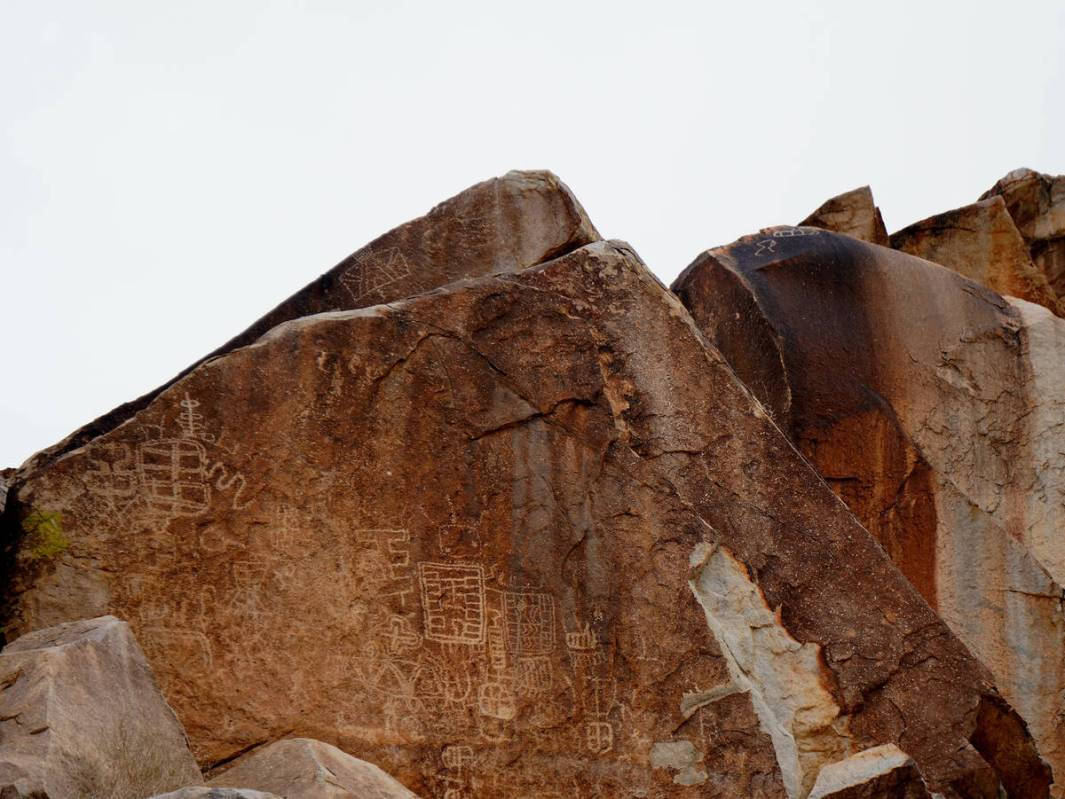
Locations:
373 271
530 622
453 602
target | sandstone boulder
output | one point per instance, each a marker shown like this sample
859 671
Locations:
981 242
934 408
301 768
526 535
884 772
219 793
853 213
1037 204
80 716
501 225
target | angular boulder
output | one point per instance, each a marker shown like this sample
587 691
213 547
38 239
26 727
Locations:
981 242
1037 204
301 768
501 225
81 716
934 408
883 772
525 535
853 213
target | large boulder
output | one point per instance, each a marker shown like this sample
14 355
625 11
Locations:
501 225
1037 204
525 535
853 213
301 768
883 772
981 242
81 716
934 408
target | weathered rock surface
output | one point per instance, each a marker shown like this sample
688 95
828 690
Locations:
526 535
218 793
301 768
1037 204
981 242
501 225
81 716
933 407
853 213
883 772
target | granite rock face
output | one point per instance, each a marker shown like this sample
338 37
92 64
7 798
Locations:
853 213
933 407
612 574
1037 204
501 225
884 772
981 242
81 716
300 768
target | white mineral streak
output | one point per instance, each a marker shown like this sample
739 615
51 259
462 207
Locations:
782 676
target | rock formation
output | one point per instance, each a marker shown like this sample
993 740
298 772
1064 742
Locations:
981 242
80 716
218 793
853 213
299 768
884 772
1037 204
487 507
929 404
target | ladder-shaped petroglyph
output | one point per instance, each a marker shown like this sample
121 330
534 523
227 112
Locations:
453 602
173 471
373 271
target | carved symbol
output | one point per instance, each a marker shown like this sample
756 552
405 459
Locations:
373 272
495 699
792 232
530 621
533 676
599 737
457 757
766 245
173 473
582 639
453 602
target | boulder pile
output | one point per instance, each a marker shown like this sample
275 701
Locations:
488 511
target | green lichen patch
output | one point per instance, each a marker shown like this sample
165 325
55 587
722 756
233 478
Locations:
45 529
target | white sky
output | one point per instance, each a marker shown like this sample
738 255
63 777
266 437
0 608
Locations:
171 170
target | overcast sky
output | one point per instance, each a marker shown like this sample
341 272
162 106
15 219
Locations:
171 170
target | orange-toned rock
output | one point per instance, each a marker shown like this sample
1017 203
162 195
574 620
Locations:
1037 204
81 716
300 768
501 225
853 213
523 536
981 242
933 407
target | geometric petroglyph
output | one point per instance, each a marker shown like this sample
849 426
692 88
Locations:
453 602
765 246
532 676
373 272
599 737
173 476
792 232
384 563
530 622
582 639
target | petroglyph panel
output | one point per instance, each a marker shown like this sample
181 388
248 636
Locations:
373 271
530 622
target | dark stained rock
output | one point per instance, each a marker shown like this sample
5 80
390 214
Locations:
981 242
933 407
501 225
853 213
527 535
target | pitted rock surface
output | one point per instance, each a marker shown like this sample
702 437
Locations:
525 535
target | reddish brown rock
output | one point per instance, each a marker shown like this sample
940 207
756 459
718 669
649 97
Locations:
933 407
81 716
501 225
853 213
217 793
526 535
1037 204
884 772
300 768
981 242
